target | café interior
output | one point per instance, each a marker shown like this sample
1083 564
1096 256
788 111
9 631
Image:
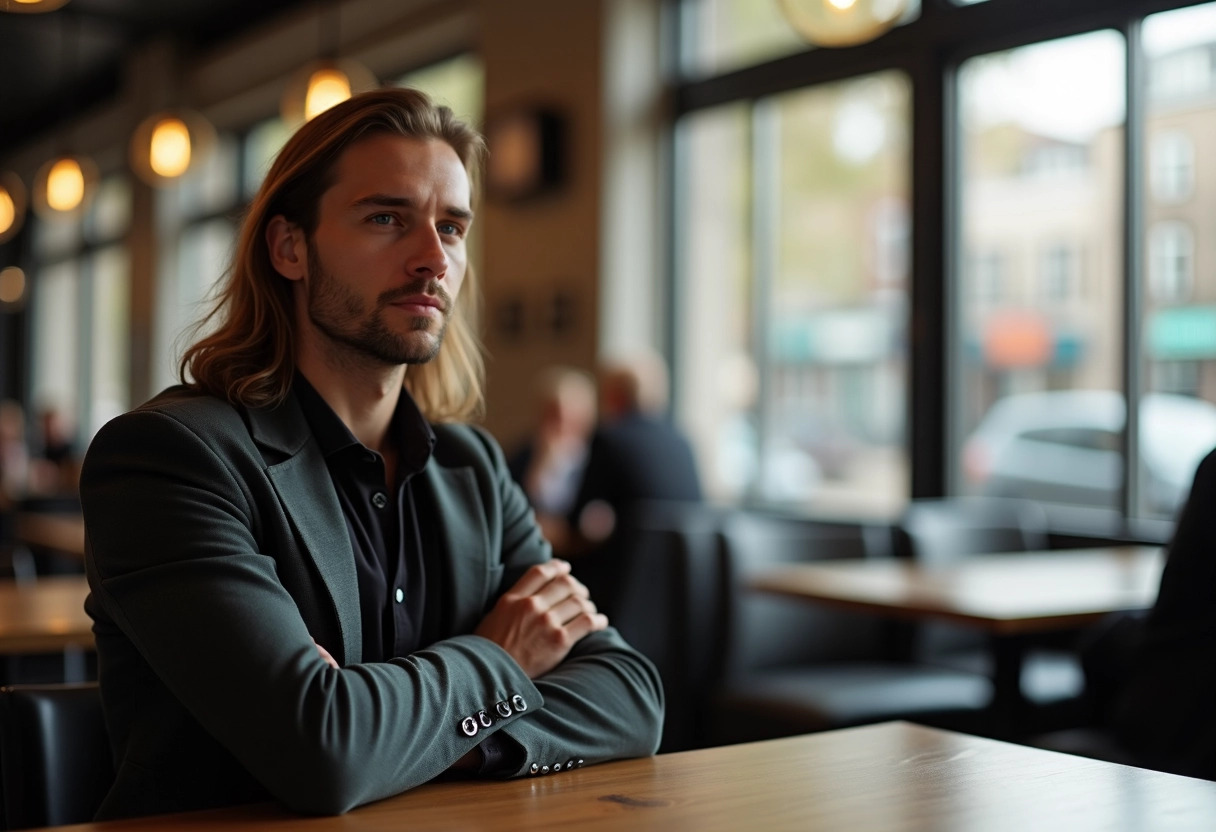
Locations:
890 253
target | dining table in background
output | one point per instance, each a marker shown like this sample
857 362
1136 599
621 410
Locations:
892 777
54 531
1012 597
47 615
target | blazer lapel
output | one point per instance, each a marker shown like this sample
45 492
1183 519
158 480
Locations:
472 576
303 485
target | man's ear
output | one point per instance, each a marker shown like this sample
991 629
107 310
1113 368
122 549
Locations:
287 247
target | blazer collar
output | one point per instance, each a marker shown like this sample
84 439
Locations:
310 502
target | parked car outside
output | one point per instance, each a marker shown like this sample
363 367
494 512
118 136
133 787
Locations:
1064 446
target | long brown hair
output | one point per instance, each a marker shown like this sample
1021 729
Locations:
250 357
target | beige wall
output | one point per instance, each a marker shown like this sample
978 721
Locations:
542 52
594 239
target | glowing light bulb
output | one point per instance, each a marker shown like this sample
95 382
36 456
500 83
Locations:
170 148
326 87
8 210
842 22
65 185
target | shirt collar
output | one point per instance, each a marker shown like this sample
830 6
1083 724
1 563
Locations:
415 438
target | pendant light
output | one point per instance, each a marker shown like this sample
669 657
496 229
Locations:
168 143
31 6
65 183
842 22
328 80
12 206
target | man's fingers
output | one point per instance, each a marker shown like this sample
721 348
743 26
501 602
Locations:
583 624
538 576
330 660
569 609
558 590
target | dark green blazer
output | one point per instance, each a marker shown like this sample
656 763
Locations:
217 553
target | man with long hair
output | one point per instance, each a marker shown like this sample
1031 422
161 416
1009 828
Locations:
309 579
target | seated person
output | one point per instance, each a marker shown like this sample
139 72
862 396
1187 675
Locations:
1164 710
550 466
309 579
636 453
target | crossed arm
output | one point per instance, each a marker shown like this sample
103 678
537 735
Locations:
187 599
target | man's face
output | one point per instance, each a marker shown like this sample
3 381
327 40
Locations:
389 254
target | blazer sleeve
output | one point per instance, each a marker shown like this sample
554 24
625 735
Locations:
605 700
175 564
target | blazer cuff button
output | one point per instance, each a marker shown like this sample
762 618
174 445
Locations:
469 726
484 719
518 703
504 710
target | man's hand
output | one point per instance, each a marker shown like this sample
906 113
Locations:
539 619
329 660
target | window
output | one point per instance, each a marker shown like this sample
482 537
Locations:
1178 316
723 35
80 297
793 312
1171 268
1040 166
1059 273
457 82
1172 171
1013 269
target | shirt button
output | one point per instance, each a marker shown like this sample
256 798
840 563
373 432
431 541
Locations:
399 595
379 499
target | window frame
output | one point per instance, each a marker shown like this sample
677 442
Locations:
930 50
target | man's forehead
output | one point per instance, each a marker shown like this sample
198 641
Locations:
389 164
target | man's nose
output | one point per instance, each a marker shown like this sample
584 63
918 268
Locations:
427 255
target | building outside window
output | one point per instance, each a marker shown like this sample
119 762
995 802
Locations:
795 322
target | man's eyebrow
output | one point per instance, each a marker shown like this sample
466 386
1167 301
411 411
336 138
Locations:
387 201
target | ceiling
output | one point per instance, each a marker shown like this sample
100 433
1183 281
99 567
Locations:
62 62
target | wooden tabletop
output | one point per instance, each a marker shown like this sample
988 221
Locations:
894 777
56 531
1006 594
44 615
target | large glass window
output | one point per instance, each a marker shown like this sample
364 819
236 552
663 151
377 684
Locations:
80 309
1038 370
724 35
1035 342
1178 335
794 312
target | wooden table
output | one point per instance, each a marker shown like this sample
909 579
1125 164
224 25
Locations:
894 777
54 531
46 616
1009 596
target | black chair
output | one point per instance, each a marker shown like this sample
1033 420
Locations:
667 603
55 760
797 667
939 531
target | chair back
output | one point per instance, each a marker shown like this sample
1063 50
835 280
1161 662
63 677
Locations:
944 530
660 589
940 531
55 759
767 631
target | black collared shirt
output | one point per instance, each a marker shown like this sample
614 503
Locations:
389 543
395 549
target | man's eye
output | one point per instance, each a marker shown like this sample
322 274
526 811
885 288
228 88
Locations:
381 219
450 228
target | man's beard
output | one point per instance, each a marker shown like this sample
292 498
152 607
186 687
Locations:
339 314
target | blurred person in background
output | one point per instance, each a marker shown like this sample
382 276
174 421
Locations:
636 453
54 465
549 466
